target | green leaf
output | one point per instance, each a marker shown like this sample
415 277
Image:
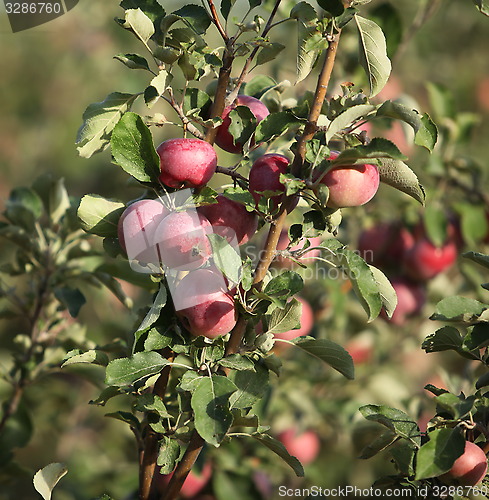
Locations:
404 453
380 443
226 6
157 87
457 407
152 403
397 174
477 257
473 223
445 339
195 17
329 352
363 282
140 24
154 313
426 133
243 124
482 7
126 371
388 18
283 286
47 478
459 309
92 356
386 290
377 148
26 198
133 149
274 125
441 100
99 215
438 455
347 118
373 54
133 61
288 318
99 119
237 362
225 257
334 7
196 99
251 386
151 8
279 449
168 454
395 420
435 223
210 402
477 338
310 42
71 298
156 340
259 85
59 201
269 52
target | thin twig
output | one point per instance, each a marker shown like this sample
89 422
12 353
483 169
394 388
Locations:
216 21
185 121
231 173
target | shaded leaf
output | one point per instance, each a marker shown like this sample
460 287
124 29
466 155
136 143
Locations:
47 478
286 319
251 385
397 174
133 61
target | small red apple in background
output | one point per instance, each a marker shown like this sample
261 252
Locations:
360 349
137 226
307 257
385 244
186 162
483 93
223 138
424 260
351 185
410 299
214 312
307 322
194 483
470 468
230 219
305 446
265 176
182 241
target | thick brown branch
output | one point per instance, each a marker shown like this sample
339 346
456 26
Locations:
181 472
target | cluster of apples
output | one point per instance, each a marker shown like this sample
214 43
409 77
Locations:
178 239
413 259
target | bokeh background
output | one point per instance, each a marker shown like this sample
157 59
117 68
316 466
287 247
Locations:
49 74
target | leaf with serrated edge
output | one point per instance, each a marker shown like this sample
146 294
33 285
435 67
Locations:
140 23
288 318
99 215
397 174
99 119
373 54
47 478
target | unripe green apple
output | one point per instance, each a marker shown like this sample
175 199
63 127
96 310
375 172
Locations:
182 240
214 312
350 185
230 219
186 162
223 138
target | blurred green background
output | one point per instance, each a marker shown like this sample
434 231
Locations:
50 74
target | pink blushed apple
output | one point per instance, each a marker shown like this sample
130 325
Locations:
305 446
230 219
186 162
193 484
214 312
182 240
224 139
350 185
410 299
470 468
307 322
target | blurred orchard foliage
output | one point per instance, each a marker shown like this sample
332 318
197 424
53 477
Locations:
50 73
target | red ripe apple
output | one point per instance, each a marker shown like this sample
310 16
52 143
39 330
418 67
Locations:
193 484
186 162
410 299
137 226
308 257
307 322
230 219
385 244
304 446
470 468
360 349
182 241
223 138
214 312
351 185
265 176
424 260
